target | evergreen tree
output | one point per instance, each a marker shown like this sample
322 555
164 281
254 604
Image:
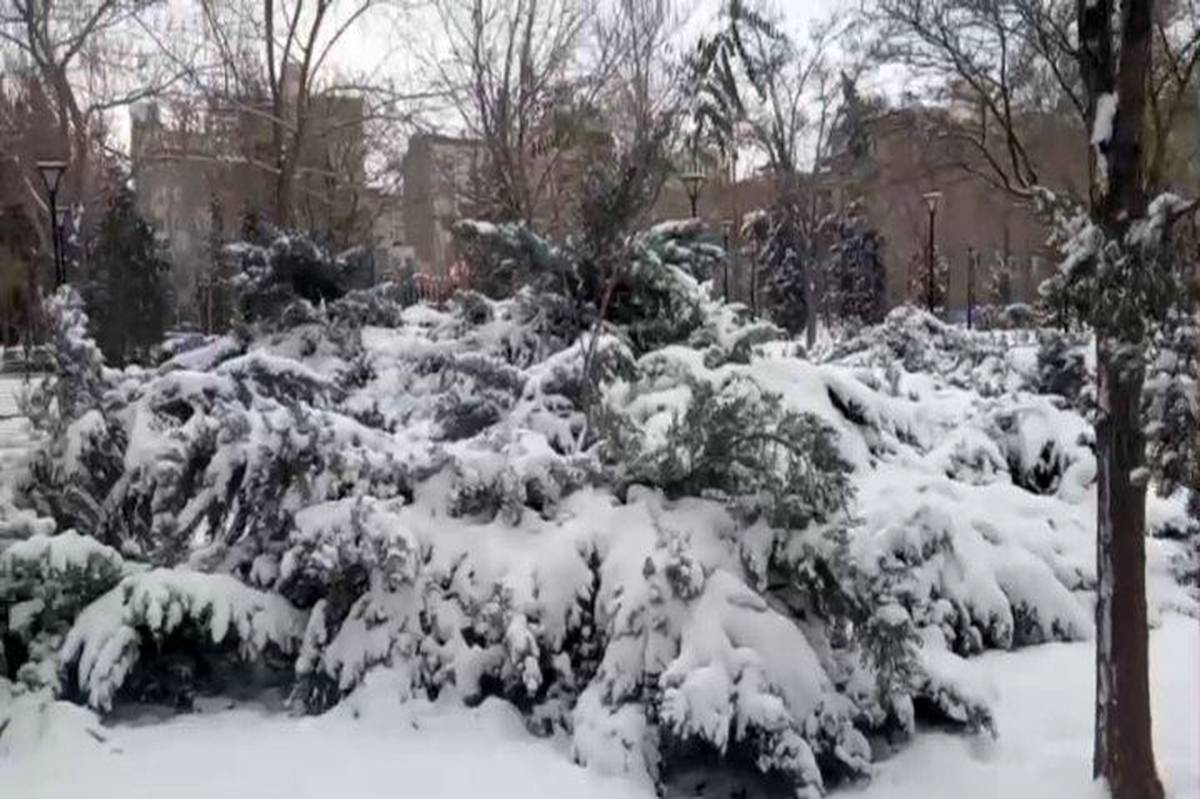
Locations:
787 263
216 306
856 279
918 282
128 293
850 136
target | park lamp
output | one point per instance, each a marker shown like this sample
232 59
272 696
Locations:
693 181
51 172
931 200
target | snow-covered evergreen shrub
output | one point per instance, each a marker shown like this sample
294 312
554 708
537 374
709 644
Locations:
657 300
506 256
731 334
1061 367
734 442
340 552
278 267
221 460
789 261
80 455
1169 405
128 291
45 581
709 547
103 646
78 380
497 475
653 293
855 276
920 343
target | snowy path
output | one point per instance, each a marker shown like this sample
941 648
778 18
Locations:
1043 711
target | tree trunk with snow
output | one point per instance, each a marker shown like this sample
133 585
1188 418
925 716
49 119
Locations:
1123 754
1116 97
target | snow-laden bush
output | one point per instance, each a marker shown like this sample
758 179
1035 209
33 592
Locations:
45 581
33 720
281 267
659 540
1171 406
919 342
1062 369
224 457
104 644
652 294
730 440
81 454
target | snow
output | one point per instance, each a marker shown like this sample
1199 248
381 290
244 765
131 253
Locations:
1102 130
426 751
428 497
445 751
103 643
1044 723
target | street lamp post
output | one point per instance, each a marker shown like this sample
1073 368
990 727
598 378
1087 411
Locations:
693 182
726 229
931 201
52 172
970 287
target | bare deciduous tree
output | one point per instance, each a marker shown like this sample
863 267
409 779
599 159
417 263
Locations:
517 75
83 56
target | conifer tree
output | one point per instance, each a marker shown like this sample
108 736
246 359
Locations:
854 267
128 295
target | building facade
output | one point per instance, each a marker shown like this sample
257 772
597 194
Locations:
199 173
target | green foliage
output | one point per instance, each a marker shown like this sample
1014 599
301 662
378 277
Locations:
276 268
45 581
77 379
128 292
737 444
856 280
68 405
1123 285
722 66
1169 404
1061 369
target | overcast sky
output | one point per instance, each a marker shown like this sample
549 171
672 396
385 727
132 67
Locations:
394 44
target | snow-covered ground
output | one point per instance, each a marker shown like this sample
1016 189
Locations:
1044 720
1043 714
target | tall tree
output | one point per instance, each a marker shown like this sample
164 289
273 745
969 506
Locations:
513 73
752 76
1100 62
127 294
279 53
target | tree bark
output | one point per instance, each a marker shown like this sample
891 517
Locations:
1123 754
